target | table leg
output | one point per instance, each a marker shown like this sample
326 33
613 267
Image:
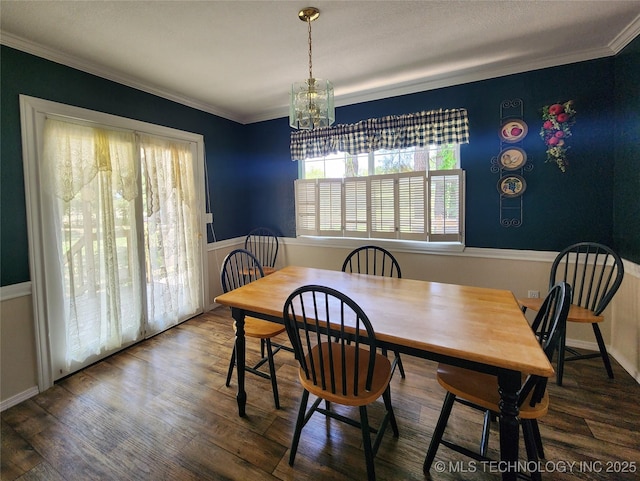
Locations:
238 316
509 383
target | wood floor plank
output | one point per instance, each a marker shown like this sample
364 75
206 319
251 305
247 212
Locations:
160 410
73 456
627 437
18 457
42 472
28 417
212 462
245 443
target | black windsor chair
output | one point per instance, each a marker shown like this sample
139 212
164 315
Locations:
480 391
241 267
595 273
335 345
376 261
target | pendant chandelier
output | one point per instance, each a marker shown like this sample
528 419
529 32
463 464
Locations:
311 101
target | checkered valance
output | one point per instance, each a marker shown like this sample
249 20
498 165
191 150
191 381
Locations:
434 127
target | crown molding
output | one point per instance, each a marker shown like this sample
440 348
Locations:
625 37
432 83
56 56
420 85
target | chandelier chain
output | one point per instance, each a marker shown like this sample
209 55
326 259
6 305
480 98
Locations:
310 65
311 101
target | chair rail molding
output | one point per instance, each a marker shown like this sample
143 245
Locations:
14 291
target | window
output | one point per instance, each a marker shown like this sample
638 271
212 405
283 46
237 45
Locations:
413 193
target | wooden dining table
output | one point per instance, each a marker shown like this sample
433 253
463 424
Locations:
473 327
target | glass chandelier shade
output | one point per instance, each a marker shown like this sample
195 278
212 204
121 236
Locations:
311 101
311 104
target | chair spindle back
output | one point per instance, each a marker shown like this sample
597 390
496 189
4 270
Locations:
321 316
263 243
594 272
240 267
372 260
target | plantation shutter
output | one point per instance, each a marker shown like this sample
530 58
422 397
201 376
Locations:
356 195
383 208
412 198
446 190
330 207
306 192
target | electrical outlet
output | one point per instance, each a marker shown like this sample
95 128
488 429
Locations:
534 294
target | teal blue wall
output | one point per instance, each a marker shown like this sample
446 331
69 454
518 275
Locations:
251 176
558 208
26 74
626 200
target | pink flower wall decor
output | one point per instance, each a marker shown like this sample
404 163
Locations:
556 129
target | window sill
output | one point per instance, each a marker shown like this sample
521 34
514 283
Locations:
392 245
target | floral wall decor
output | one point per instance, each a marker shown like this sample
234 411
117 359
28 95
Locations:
556 130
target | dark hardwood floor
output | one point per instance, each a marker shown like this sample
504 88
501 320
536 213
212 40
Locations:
160 411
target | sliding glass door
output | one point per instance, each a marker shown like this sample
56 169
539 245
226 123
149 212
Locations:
116 236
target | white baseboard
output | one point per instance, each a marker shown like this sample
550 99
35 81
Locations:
626 364
578 344
18 398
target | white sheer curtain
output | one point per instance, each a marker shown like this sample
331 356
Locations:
172 231
103 192
90 184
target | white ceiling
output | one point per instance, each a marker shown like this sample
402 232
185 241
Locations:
237 59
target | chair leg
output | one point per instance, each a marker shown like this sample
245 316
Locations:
603 350
438 431
530 446
366 441
538 439
231 365
386 396
272 373
486 429
299 424
399 363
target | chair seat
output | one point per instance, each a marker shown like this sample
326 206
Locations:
576 313
268 270
381 375
261 329
482 389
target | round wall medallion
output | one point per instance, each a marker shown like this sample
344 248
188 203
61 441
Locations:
513 130
512 185
512 158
